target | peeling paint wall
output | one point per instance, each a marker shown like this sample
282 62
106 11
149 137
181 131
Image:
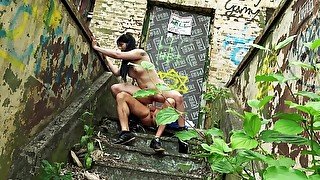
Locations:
45 62
235 24
301 18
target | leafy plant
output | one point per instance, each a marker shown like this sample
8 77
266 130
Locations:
213 93
53 171
86 139
246 145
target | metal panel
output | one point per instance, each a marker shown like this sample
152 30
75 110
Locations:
186 54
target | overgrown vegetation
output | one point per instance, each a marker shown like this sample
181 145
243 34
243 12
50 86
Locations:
215 98
86 139
53 171
246 146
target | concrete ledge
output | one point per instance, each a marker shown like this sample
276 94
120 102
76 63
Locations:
55 141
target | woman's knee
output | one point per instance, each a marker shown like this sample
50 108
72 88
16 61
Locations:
116 89
171 102
178 98
122 95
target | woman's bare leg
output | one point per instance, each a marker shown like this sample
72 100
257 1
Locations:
124 87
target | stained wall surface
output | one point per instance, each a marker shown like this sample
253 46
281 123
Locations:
45 62
300 18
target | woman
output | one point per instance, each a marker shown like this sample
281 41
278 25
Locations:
145 79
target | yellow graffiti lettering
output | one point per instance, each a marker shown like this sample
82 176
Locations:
18 32
55 18
14 61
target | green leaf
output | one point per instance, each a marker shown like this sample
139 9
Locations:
310 107
277 137
186 135
270 78
285 126
223 166
251 124
316 124
310 95
163 87
88 161
280 172
314 177
265 78
147 65
86 115
235 113
90 147
252 155
314 107
221 144
285 42
167 116
144 93
206 147
213 149
240 140
301 64
264 101
313 45
214 132
282 161
260 47
290 116
88 130
84 140
254 103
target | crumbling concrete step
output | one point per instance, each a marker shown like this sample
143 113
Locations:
170 144
145 156
118 170
111 131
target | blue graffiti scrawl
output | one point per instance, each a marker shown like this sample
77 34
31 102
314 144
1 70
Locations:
237 46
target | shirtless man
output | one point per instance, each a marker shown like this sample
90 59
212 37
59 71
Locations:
145 79
126 105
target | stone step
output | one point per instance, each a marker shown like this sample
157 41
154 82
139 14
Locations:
145 156
118 170
111 131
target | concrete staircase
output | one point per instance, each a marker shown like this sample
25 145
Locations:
134 162
138 161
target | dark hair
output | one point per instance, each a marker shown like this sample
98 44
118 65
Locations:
131 44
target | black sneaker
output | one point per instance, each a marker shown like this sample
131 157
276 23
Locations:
183 147
156 145
125 137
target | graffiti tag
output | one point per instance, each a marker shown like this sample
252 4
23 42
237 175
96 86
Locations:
239 10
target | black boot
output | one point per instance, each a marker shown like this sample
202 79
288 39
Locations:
183 146
125 137
156 145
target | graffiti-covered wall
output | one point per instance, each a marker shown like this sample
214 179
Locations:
300 18
45 61
235 24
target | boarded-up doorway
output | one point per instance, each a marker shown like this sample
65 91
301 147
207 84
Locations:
185 54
